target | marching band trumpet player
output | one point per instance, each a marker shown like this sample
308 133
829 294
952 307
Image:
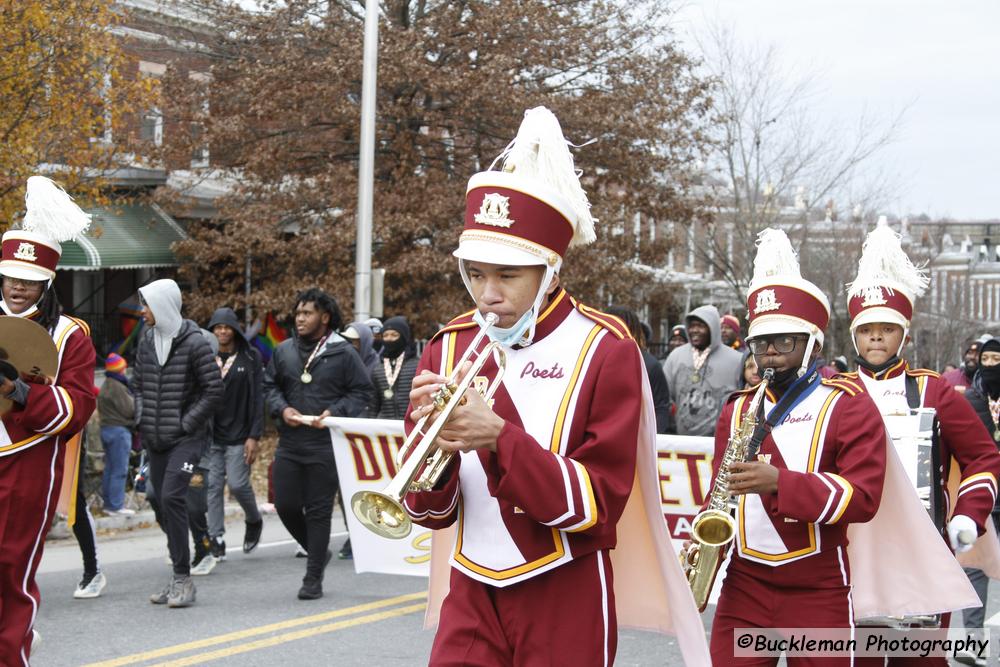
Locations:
546 471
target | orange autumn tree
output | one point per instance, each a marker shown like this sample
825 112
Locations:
65 96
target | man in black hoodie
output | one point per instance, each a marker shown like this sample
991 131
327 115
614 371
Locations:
315 373
177 388
237 427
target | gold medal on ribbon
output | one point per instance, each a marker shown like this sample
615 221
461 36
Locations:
306 377
387 393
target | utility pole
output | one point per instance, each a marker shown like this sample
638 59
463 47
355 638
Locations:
366 167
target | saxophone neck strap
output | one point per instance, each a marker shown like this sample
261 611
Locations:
795 395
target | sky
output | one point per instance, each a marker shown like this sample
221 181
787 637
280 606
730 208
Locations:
941 58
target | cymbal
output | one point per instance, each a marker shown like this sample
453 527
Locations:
29 347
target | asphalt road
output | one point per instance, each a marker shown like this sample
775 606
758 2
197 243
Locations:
247 612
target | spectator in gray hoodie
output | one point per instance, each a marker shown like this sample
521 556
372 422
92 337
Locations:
701 373
177 388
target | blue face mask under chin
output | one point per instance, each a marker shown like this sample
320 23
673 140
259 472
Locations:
510 336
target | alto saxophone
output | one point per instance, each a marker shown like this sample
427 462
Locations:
714 527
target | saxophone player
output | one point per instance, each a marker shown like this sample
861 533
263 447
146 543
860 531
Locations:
819 468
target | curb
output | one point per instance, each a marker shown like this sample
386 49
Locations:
142 519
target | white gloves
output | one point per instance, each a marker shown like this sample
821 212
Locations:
962 533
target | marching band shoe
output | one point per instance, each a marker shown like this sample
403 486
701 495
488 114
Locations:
312 589
182 592
251 538
90 586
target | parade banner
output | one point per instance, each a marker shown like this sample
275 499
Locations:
366 451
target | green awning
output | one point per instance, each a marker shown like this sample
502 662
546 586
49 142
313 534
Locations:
128 236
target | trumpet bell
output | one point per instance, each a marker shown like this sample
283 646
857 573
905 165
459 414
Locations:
381 514
713 527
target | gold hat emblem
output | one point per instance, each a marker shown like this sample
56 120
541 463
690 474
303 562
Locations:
26 253
766 301
494 211
873 296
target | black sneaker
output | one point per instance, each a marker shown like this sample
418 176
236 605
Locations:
218 548
251 538
345 552
312 589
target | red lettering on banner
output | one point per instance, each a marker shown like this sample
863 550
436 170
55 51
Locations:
363 454
389 448
665 478
692 460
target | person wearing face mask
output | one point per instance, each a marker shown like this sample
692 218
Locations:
393 377
880 302
177 387
42 416
546 469
984 397
818 480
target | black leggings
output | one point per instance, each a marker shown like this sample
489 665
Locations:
170 474
83 529
303 496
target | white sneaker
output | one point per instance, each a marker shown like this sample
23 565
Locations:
300 552
204 566
36 640
122 512
92 588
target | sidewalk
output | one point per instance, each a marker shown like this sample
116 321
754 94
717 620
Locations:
118 522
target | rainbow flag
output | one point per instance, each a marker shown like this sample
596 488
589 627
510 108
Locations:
270 335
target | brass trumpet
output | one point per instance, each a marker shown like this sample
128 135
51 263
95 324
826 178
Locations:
420 462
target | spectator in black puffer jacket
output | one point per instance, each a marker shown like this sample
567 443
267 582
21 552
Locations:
177 388
315 373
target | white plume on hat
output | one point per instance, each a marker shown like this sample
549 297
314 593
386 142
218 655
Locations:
51 212
884 264
775 257
541 153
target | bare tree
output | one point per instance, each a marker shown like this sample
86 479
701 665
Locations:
775 163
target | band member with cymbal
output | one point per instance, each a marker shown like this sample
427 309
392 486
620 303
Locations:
547 469
880 301
821 486
316 372
44 413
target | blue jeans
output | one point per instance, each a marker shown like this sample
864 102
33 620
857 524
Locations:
117 441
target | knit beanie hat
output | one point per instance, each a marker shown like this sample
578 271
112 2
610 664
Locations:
115 364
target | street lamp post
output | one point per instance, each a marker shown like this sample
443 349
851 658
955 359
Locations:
366 167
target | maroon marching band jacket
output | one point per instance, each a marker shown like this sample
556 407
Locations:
565 460
964 440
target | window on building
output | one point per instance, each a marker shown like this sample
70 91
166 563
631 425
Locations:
200 154
151 120
151 127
